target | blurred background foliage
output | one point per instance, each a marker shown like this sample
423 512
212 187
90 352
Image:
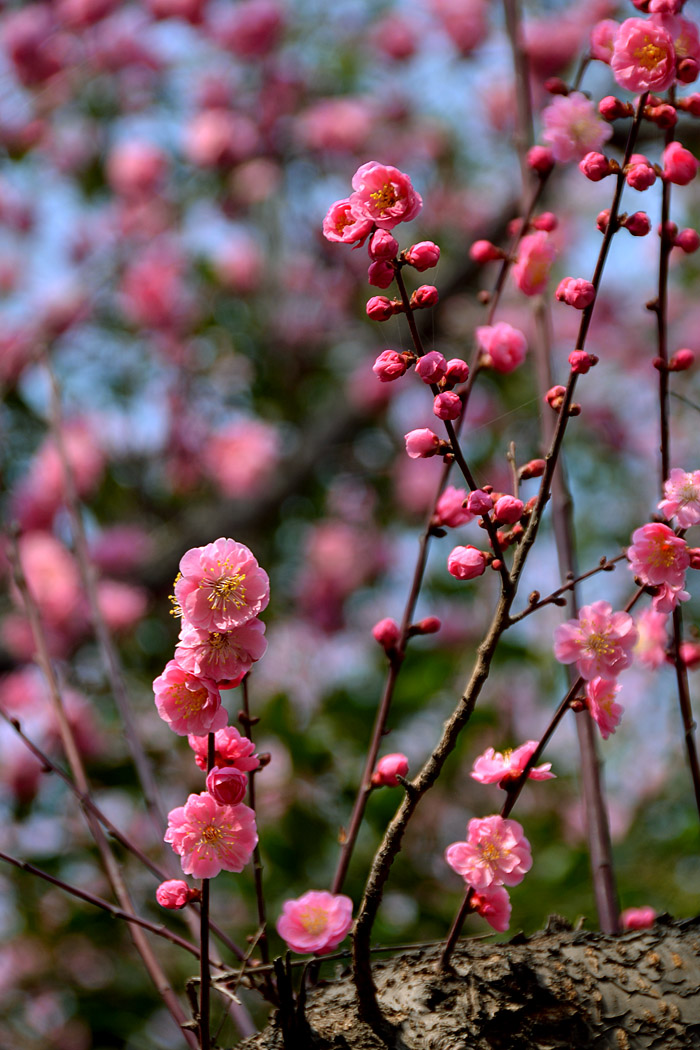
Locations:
166 168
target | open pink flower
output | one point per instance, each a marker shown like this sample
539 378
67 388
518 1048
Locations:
653 638
494 906
210 838
573 128
536 254
599 642
221 586
188 704
496 852
658 556
316 922
230 749
495 768
383 195
644 58
600 698
340 224
225 656
667 598
450 509
682 497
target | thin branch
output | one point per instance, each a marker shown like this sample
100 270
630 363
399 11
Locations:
247 722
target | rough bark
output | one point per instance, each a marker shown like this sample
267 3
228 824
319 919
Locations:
557 990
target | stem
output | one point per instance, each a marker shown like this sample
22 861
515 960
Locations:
204 973
257 861
606 565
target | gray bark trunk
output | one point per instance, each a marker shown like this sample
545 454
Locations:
557 990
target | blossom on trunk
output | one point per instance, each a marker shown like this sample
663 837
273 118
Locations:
496 853
599 642
188 703
210 838
316 922
221 586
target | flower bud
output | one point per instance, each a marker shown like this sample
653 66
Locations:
581 362
681 360
447 405
484 251
576 292
555 397
382 245
540 159
380 274
175 894
679 164
508 510
638 224
663 116
389 365
457 371
422 443
611 108
428 625
595 166
387 632
689 653
479 502
687 70
422 256
603 219
466 563
387 770
425 296
688 240
694 554
431 367
547 221
534 469
379 308
639 174
227 785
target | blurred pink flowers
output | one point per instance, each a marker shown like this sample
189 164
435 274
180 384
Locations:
682 497
210 838
573 128
316 922
536 254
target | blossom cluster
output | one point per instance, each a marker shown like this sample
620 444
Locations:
219 592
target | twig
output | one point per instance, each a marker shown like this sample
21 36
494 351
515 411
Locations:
247 721
605 565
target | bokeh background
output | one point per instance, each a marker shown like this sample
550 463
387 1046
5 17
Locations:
166 166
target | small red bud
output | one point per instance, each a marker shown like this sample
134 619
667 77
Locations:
681 360
534 469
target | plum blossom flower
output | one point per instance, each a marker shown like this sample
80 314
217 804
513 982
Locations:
230 749
466 563
682 497
653 638
388 769
494 767
389 365
316 922
383 195
494 906
189 704
600 699
535 257
599 642
422 443
503 346
644 58
658 556
340 224
667 598
225 656
450 509
573 128
679 164
210 838
227 785
496 853
221 586
387 632
638 918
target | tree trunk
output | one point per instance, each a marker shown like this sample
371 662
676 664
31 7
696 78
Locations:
558 990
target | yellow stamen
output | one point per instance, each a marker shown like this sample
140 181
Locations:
313 920
385 197
650 55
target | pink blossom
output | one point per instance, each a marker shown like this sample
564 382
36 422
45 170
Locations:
638 224
457 371
383 195
379 308
682 497
504 347
600 698
316 922
387 632
389 365
423 256
484 251
653 638
175 894
573 128
230 749
421 443
576 292
217 138
136 169
227 785
667 598
496 853
494 767
188 10
431 367
239 264
640 174
603 40
466 563
599 642
341 125
122 604
684 34
341 224
540 159
450 509
658 556
536 254
447 405
643 58
638 918
52 576
221 586
388 769
479 502
380 273
187 703
240 457
595 166
508 510
382 245
153 290
679 164
424 297
494 906
225 656
210 838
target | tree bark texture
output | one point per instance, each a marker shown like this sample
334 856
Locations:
557 990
